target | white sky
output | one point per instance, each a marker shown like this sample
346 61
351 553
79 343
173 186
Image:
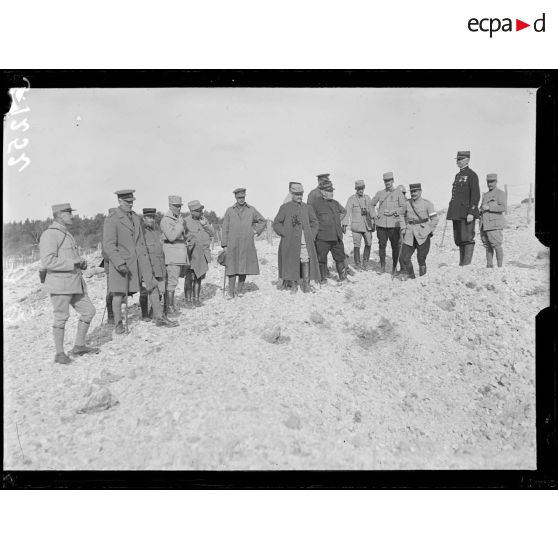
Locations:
201 143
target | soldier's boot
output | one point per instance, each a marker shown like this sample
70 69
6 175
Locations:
80 348
60 357
241 285
171 309
294 287
196 290
356 256
382 265
489 257
188 291
422 270
461 253
341 271
144 304
305 274
366 258
232 285
499 255
410 271
323 272
117 310
468 250
110 313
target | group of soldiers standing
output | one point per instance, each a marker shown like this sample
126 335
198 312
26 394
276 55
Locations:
140 257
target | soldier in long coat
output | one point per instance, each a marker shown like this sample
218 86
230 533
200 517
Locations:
154 247
463 207
360 216
330 232
200 233
391 205
297 225
420 222
240 223
129 264
492 220
64 282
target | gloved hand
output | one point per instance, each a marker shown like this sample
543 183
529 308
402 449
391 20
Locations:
469 218
123 269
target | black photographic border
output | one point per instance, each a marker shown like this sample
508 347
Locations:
546 474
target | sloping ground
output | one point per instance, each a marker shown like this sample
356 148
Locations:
376 374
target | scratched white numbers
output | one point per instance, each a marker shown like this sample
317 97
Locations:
21 125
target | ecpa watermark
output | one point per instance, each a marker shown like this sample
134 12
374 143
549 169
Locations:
19 125
494 25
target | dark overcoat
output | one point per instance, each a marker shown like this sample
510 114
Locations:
329 214
290 223
200 245
154 244
123 242
239 225
465 195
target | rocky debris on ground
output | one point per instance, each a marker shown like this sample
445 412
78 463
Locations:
100 399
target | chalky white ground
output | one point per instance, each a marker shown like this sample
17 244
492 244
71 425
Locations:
437 373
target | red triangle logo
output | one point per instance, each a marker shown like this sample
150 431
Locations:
519 25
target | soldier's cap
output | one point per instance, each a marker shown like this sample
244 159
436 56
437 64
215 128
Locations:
58 207
359 184
149 211
126 195
296 188
195 205
175 200
322 177
325 184
328 187
387 176
415 187
463 155
491 177
291 183
112 210
239 191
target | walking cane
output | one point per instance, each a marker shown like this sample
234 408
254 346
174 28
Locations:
224 280
104 311
443 234
127 291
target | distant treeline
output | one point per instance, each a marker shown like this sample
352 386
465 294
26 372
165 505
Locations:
22 238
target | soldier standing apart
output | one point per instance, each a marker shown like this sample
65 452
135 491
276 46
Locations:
240 224
360 215
199 252
420 223
64 282
129 263
330 233
297 225
391 205
492 220
154 247
316 193
104 264
174 234
462 209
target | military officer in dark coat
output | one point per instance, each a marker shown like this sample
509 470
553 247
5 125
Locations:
316 193
330 232
463 207
492 221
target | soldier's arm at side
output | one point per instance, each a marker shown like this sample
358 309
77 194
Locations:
434 217
278 222
314 223
48 247
225 229
109 243
374 200
259 222
342 211
371 208
475 195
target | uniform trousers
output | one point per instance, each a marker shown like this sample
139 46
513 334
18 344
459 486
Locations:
492 239
463 232
61 305
174 271
392 234
358 236
408 251
324 247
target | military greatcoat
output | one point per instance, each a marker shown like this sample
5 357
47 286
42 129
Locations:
200 240
123 242
154 246
465 195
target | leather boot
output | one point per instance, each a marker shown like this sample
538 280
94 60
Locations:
240 286
305 274
356 256
410 271
341 271
382 264
196 288
323 273
232 285
171 309
468 250
110 313
188 291
422 270
490 257
365 258
60 356
143 300
499 255
461 252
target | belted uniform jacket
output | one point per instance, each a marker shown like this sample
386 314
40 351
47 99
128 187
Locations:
493 219
414 228
354 207
392 202
174 239
465 195
59 256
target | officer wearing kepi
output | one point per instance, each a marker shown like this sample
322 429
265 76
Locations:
174 233
63 280
316 193
463 207
420 221
492 221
